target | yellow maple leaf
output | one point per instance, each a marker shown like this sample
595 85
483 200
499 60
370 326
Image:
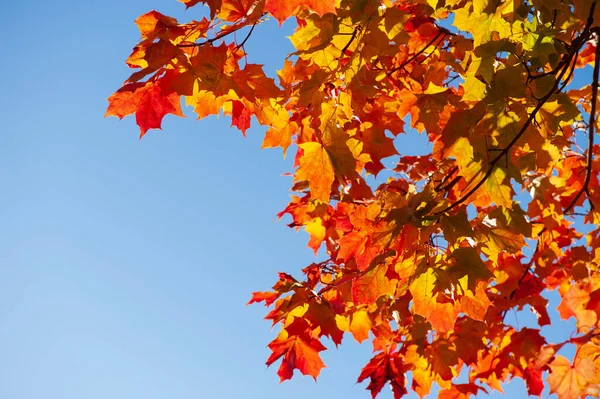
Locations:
317 169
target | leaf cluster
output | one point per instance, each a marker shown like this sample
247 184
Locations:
427 263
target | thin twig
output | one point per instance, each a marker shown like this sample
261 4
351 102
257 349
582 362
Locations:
247 37
354 33
221 35
449 186
591 126
451 79
418 53
214 39
445 179
572 69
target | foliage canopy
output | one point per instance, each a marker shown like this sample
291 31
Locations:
428 263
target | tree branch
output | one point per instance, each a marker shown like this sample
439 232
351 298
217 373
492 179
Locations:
221 35
591 126
446 178
247 36
354 33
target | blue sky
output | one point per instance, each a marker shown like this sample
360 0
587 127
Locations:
125 265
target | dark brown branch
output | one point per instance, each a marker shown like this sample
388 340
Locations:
554 71
214 39
354 33
451 79
247 36
446 178
449 186
591 125
221 35
571 71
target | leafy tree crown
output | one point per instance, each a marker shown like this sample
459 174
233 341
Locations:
426 262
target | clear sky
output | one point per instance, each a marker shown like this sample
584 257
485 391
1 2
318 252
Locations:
125 265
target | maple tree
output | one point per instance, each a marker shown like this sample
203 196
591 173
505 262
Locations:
427 263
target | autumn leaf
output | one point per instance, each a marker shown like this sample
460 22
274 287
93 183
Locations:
282 10
281 131
149 102
469 267
317 169
153 24
535 383
460 391
358 323
499 188
427 301
298 349
382 368
574 303
240 116
267 297
370 286
212 3
323 316
475 304
570 381
443 359
235 10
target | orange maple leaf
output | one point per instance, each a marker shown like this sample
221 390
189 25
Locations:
153 24
282 10
148 101
240 116
370 286
430 304
317 169
298 349
382 368
570 381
